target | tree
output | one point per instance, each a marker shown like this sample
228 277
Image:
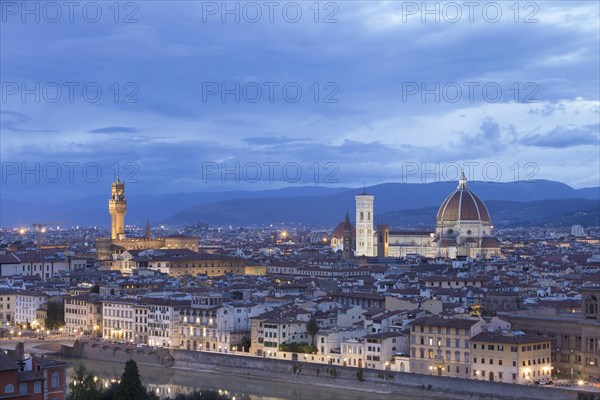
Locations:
301 347
95 289
245 343
130 387
312 328
55 315
84 386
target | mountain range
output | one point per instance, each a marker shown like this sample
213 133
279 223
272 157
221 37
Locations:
402 204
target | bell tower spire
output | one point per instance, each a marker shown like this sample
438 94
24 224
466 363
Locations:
148 233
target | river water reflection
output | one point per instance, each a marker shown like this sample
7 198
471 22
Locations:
168 383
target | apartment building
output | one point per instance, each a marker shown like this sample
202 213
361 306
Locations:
34 378
163 321
140 327
273 328
441 346
43 264
26 304
328 341
118 316
7 306
575 338
179 262
510 357
83 314
381 347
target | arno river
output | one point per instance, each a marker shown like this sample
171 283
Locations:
168 383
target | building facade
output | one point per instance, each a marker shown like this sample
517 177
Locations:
575 339
118 316
26 304
83 314
511 358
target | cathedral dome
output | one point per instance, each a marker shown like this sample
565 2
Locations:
462 206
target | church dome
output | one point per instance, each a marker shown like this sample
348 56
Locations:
463 206
338 232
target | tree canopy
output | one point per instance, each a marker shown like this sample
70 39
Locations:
312 327
85 386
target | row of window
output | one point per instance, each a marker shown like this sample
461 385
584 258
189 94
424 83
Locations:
10 388
69 310
37 386
535 347
449 342
439 329
75 321
35 268
500 375
109 323
539 361
430 355
118 313
493 347
159 317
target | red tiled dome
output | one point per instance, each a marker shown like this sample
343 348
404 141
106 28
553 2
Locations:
463 205
338 232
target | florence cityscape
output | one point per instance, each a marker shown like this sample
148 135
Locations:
294 200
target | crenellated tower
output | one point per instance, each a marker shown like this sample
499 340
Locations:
117 207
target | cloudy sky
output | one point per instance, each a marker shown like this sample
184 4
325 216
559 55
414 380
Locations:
190 96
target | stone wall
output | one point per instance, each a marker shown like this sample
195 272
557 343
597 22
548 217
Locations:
115 353
318 374
395 382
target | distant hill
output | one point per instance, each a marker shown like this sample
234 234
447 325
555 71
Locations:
93 210
390 197
308 204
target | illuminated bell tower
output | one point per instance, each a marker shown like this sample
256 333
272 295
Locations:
364 225
117 207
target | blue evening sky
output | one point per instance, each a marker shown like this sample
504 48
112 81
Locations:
192 87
